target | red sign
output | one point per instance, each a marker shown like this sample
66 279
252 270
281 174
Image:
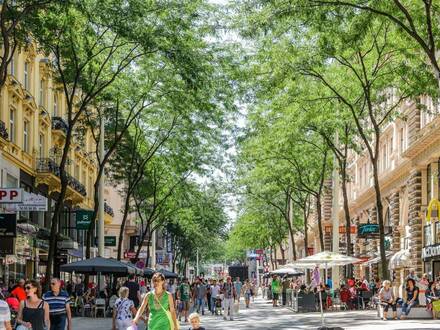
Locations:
328 229
342 229
129 255
11 195
310 251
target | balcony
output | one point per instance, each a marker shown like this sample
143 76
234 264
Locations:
108 209
3 131
48 173
59 130
59 124
108 214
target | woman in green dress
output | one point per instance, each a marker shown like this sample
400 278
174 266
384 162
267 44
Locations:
159 303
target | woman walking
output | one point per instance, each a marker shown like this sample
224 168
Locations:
162 315
247 289
123 310
33 312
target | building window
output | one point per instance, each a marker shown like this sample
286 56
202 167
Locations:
402 140
42 93
12 125
41 146
12 66
26 136
26 76
391 145
11 181
55 105
77 171
428 182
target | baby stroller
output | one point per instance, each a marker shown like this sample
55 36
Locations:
218 305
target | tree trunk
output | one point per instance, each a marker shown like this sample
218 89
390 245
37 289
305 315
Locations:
380 220
306 239
349 268
319 213
283 257
124 220
58 208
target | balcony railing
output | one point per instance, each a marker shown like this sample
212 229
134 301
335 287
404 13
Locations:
108 209
59 123
48 165
3 131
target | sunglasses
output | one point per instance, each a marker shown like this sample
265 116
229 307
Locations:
53 283
28 287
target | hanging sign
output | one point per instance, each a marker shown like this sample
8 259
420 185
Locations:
8 225
368 230
83 219
109 240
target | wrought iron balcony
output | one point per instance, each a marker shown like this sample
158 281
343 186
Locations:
48 165
59 124
108 209
3 131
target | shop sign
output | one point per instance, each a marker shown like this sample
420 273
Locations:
342 229
31 202
11 195
368 230
129 255
310 251
433 209
7 246
41 244
8 225
431 251
328 229
83 219
109 240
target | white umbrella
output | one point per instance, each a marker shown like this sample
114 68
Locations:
287 271
324 260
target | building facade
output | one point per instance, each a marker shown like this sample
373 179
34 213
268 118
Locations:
32 135
409 178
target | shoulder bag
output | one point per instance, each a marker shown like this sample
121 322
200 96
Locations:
168 313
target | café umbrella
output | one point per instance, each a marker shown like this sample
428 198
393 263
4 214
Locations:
324 260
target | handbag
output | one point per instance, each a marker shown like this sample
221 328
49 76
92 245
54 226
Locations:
168 313
436 305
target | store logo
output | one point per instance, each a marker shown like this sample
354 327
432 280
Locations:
431 251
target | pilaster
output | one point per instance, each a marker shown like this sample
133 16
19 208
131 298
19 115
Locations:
414 219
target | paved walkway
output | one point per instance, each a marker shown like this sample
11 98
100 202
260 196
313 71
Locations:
261 316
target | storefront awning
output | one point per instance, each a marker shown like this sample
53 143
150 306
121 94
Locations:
377 259
401 259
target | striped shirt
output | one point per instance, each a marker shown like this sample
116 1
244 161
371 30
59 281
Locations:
5 315
57 304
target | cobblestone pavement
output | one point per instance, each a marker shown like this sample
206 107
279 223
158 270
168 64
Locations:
262 316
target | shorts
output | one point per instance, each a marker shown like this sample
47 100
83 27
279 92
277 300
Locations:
184 306
275 296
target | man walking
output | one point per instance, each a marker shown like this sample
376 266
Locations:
230 295
200 296
238 285
275 286
134 293
59 306
183 296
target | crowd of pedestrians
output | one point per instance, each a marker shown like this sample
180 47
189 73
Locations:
357 294
162 305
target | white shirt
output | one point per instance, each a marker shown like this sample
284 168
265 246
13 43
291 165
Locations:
5 314
215 289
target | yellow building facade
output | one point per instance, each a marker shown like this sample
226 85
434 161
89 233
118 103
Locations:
32 135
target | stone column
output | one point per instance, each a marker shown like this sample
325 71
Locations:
395 218
413 125
414 219
327 213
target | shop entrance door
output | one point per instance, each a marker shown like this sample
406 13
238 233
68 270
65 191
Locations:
436 268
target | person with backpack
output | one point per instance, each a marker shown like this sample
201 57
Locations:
230 295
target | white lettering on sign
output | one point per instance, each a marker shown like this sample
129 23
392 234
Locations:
430 251
11 195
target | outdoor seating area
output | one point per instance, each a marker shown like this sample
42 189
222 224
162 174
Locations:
93 302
